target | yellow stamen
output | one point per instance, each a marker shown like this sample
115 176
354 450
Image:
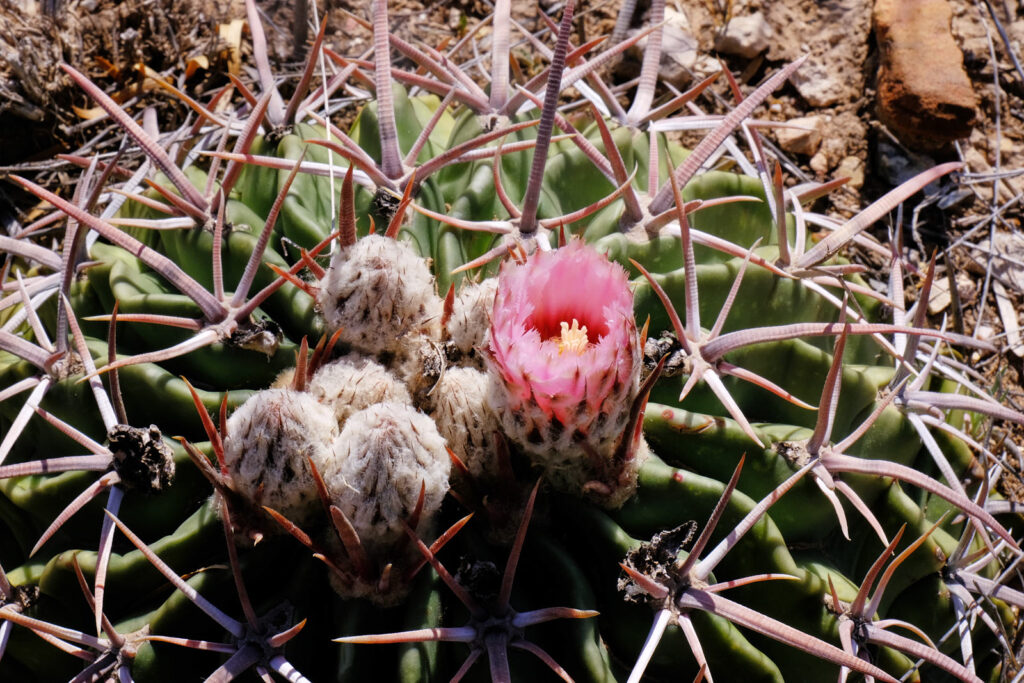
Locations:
573 339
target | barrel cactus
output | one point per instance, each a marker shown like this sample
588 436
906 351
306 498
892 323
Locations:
436 397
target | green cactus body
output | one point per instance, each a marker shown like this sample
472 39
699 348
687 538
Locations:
571 552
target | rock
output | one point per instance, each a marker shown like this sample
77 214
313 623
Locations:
1016 33
803 140
966 288
940 298
924 94
852 168
896 166
819 164
746 36
834 146
975 160
816 83
985 333
834 34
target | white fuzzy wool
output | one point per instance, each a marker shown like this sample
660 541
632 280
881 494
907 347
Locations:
471 315
459 407
269 439
353 383
381 458
376 292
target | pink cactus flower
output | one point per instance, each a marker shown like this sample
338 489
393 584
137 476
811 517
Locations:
564 363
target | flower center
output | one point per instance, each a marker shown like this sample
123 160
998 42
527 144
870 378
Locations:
573 338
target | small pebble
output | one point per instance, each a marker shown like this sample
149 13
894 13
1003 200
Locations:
746 36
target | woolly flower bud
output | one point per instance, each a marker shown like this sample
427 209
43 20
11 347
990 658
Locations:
354 382
269 439
565 363
382 457
471 315
458 405
376 292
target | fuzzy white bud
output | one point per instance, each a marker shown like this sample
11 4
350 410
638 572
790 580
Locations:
471 317
270 437
376 292
382 457
353 383
459 407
